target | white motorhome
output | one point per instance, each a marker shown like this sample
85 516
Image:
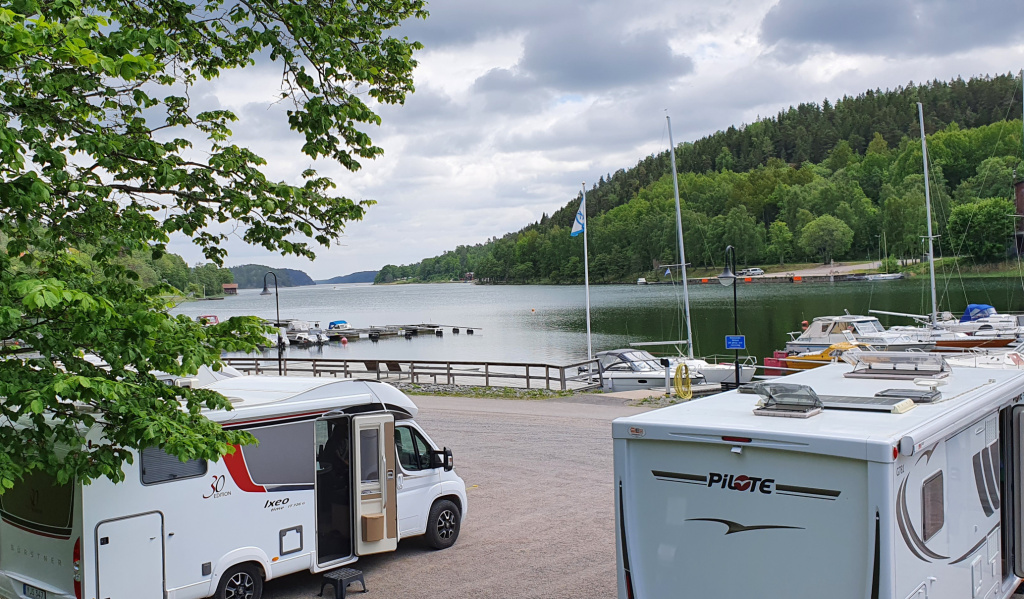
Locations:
874 486
341 470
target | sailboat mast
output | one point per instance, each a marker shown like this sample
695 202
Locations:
679 231
928 213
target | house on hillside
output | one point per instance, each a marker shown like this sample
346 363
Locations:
230 288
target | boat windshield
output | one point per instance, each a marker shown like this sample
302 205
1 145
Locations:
867 327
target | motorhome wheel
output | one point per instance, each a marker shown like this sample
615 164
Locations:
443 525
240 582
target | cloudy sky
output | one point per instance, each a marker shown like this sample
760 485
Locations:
519 102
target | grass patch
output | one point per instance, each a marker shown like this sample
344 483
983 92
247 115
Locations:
482 392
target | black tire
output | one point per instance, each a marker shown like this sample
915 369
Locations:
443 524
240 582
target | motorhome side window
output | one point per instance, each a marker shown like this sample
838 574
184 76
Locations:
413 449
933 508
284 456
158 466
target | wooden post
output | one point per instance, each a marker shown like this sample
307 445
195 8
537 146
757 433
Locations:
377 368
562 376
527 376
449 365
547 377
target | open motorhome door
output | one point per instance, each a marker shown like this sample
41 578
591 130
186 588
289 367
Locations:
1013 520
374 494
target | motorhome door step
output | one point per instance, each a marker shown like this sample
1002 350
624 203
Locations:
340 579
893 405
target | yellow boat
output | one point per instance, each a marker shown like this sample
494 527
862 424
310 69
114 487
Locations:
832 353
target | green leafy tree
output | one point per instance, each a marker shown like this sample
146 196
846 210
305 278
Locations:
826 236
983 229
103 156
780 241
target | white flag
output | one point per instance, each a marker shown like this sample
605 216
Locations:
668 271
581 219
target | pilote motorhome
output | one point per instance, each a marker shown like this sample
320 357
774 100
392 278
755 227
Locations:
892 478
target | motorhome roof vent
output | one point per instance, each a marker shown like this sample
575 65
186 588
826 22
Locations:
787 400
916 395
895 365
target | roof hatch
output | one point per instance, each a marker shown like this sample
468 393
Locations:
787 400
895 365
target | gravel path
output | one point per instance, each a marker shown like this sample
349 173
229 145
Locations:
541 524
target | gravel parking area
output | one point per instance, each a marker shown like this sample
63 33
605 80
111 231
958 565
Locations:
541 523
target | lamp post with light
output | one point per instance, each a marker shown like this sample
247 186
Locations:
277 324
727 278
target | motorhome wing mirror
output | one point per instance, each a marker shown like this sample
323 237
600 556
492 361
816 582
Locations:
442 458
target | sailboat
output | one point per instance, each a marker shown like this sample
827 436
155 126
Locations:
712 372
947 334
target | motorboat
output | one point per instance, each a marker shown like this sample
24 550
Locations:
631 369
1012 359
714 372
979 327
339 329
825 331
830 355
892 276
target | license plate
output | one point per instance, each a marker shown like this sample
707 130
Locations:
32 592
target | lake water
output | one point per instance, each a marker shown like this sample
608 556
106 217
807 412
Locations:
547 324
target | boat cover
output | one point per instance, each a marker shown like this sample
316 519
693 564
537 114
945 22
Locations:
976 311
336 323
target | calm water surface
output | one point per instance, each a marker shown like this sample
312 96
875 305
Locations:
547 324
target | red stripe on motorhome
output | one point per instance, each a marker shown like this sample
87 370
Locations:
234 425
240 472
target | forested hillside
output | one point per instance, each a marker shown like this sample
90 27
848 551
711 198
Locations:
812 183
363 276
250 276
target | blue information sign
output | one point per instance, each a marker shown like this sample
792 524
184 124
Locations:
735 342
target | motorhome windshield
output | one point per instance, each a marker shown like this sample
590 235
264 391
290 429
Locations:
39 504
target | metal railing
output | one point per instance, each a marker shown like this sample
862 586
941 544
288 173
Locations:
576 376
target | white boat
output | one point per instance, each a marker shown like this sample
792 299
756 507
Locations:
632 369
712 372
828 330
1013 359
715 373
641 281
892 276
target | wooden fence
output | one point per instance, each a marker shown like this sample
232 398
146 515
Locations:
577 376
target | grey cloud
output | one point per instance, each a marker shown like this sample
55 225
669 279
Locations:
462 22
796 28
586 59
589 58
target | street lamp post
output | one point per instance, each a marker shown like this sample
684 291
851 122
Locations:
277 324
727 278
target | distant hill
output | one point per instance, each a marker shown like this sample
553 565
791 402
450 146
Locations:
363 276
250 276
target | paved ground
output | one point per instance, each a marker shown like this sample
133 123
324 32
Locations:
823 270
541 520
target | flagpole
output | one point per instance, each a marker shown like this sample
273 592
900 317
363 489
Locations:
586 270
